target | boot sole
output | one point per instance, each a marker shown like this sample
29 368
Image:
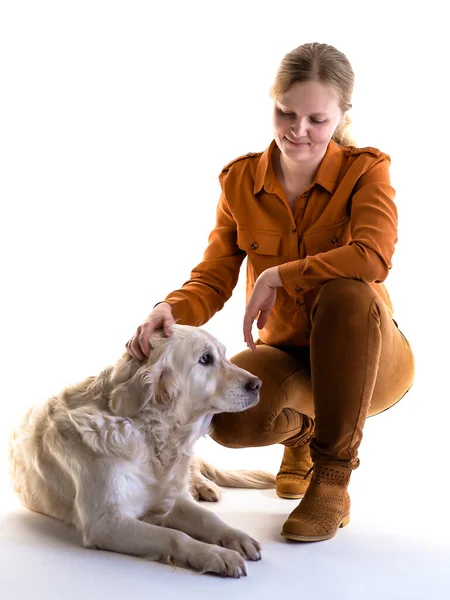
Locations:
290 496
316 538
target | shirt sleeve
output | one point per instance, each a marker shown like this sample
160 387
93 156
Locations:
367 257
212 281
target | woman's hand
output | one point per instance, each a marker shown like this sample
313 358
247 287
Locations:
160 317
261 302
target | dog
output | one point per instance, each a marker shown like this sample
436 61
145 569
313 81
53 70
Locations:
113 455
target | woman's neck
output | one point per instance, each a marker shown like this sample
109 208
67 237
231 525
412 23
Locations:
294 175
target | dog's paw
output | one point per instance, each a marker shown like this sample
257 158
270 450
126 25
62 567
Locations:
209 558
223 562
203 489
238 540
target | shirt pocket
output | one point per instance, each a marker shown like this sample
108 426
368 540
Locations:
263 248
327 237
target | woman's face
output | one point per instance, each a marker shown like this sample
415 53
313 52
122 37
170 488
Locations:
304 120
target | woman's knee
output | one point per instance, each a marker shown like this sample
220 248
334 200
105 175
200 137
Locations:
247 428
344 296
230 431
285 391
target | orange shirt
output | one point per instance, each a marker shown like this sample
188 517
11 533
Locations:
343 226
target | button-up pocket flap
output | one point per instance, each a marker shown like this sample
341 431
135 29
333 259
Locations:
259 242
327 237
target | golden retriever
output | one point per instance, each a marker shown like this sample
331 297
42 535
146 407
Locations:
112 456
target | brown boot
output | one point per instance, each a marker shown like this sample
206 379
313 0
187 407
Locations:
295 472
325 507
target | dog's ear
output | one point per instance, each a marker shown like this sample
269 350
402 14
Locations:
129 397
165 385
124 369
137 385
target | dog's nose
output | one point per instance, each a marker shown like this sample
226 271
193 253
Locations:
253 385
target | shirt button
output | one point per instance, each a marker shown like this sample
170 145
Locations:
298 289
335 241
299 302
253 245
294 230
305 195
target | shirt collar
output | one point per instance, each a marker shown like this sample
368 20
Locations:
327 174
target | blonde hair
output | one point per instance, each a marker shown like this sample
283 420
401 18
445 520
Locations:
325 64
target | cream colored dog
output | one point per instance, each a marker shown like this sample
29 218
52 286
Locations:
112 455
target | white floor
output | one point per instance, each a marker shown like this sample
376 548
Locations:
397 545
371 558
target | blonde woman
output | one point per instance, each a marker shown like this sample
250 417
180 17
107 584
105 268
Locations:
316 218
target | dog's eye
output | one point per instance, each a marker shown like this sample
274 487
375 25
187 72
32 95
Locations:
206 359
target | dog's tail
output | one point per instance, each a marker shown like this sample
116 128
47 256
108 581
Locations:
238 479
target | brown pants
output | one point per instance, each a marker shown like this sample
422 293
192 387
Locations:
358 364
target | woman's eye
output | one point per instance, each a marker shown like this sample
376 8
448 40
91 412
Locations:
206 359
288 115
285 114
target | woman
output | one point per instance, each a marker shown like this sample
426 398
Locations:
316 218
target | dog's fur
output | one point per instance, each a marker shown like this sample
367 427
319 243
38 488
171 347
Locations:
204 480
112 455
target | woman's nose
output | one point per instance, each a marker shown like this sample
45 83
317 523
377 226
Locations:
299 127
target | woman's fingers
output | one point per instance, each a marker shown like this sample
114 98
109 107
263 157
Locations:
144 337
249 318
134 349
167 327
260 306
139 346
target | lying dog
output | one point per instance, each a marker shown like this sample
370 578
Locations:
111 455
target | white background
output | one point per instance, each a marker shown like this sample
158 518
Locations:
116 119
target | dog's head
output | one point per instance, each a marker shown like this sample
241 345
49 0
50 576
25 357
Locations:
188 373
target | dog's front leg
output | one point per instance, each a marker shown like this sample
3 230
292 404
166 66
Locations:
105 526
203 524
131 536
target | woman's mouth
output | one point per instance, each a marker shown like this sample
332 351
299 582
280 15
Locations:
298 144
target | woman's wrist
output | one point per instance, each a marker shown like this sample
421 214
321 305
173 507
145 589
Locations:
273 277
162 302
